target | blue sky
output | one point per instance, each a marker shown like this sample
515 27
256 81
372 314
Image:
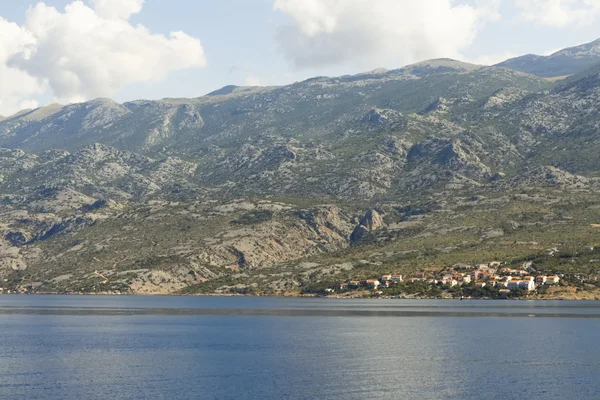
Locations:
266 42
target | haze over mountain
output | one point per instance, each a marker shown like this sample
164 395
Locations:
265 189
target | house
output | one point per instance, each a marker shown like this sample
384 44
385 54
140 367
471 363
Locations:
447 277
528 278
493 283
344 286
387 277
480 285
396 278
420 275
487 270
329 291
512 285
527 285
552 280
372 283
504 292
541 279
466 279
353 285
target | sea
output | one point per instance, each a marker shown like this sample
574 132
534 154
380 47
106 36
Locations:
103 347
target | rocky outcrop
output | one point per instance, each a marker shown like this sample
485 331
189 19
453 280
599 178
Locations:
452 155
370 222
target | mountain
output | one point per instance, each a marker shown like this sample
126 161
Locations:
270 190
562 63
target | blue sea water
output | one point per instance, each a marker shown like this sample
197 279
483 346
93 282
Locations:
85 347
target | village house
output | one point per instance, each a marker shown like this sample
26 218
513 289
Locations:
476 275
344 286
527 285
353 284
487 270
541 279
504 292
552 280
372 283
397 278
480 285
386 278
521 284
512 285
420 275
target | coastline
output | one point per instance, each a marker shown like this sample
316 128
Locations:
590 297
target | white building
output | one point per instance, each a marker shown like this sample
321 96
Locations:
526 285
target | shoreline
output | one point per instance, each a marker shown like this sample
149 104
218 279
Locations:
332 297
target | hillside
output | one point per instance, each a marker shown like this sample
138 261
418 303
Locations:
269 189
562 63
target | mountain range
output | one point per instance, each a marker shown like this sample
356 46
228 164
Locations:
268 189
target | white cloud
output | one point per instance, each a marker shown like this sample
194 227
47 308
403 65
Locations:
559 13
85 52
117 9
381 32
15 85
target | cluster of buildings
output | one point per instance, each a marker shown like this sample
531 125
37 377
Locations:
491 275
386 281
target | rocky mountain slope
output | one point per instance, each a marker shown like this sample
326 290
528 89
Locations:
265 189
562 63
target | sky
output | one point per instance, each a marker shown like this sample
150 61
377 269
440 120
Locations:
70 51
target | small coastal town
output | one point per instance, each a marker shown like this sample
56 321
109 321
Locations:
492 280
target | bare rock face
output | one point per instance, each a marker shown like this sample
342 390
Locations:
453 155
371 222
550 176
16 238
504 97
327 219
